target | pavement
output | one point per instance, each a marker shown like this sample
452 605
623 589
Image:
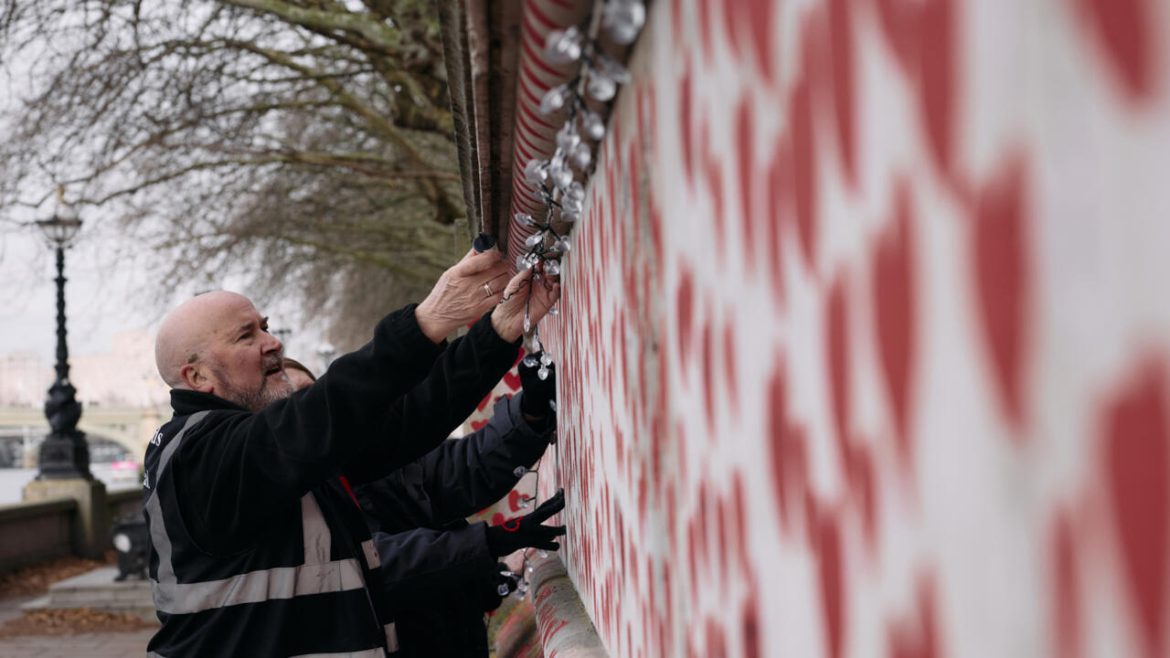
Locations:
81 645
84 645
98 589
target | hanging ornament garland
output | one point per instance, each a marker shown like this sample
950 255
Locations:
559 181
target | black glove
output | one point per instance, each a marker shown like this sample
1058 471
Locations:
527 531
539 399
492 586
506 583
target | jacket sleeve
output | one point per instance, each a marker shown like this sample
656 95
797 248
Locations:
461 476
233 466
430 566
461 377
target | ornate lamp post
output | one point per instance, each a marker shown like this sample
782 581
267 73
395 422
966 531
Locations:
64 452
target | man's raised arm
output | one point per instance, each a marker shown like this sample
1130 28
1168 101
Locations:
233 464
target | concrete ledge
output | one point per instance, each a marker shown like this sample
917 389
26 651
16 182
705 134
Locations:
39 508
563 625
91 523
35 531
97 590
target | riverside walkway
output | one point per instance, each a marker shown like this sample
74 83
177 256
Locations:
89 645
103 644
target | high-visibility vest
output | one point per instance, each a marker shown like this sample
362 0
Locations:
299 591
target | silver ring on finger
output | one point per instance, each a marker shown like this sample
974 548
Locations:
487 289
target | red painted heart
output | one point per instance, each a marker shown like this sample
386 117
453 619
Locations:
895 306
1137 450
1004 281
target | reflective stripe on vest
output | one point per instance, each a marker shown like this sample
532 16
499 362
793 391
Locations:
316 532
318 575
391 637
373 560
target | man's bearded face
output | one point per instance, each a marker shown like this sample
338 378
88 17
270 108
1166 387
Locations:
257 394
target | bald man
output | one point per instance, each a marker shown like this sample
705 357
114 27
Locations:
253 552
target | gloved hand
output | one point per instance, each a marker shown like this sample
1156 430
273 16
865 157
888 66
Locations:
506 582
539 399
494 586
527 531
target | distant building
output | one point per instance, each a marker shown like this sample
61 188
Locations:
123 377
24 379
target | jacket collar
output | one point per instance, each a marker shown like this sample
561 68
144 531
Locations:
186 402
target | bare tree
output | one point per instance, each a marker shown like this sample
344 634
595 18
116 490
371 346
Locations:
306 143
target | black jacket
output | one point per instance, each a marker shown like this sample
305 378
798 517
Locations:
436 568
256 551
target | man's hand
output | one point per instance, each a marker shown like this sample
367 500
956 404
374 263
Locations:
508 318
463 294
538 400
527 531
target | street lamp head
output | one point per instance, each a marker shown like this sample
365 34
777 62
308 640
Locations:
61 228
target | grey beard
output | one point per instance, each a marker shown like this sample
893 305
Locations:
258 399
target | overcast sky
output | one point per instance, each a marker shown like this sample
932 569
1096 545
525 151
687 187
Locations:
109 290
103 295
